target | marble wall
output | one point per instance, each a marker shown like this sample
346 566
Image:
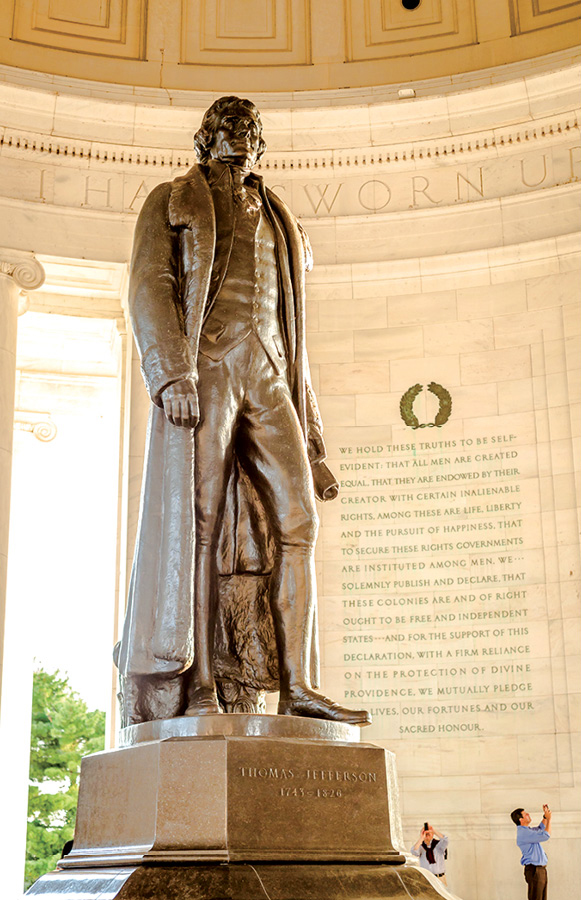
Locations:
449 566
443 319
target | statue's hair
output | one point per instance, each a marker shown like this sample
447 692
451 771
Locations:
204 137
516 815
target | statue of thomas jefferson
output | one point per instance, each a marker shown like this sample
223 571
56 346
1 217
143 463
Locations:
223 584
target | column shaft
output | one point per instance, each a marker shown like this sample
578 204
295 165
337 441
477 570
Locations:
8 320
18 271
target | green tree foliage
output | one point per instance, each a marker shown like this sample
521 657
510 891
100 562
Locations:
63 731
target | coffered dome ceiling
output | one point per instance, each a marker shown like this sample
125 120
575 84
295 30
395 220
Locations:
278 45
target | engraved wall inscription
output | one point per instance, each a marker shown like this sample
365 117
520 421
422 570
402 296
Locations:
357 189
433 561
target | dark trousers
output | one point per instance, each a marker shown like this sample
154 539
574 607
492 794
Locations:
246 409
536 878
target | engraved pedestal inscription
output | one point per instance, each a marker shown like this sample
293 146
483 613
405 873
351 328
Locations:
312 796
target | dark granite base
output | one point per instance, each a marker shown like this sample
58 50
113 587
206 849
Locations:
243 881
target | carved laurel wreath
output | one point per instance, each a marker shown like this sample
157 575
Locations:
407 402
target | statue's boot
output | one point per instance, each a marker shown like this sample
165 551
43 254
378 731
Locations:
202 701
306 702
292 597
201 690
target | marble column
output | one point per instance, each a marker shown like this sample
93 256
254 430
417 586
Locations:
18 272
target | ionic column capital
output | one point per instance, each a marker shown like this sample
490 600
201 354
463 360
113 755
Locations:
23 267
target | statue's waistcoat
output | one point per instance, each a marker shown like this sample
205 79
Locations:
247 301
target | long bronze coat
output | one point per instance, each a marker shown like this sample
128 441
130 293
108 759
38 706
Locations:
179 259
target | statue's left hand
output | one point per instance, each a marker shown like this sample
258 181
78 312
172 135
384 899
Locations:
180 403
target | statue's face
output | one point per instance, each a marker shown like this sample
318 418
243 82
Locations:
237 140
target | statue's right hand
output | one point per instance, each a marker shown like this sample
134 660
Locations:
180 403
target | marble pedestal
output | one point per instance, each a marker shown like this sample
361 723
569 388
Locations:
210 807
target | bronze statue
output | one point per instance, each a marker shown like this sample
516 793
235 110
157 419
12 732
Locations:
223 585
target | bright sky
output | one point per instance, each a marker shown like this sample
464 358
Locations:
64 499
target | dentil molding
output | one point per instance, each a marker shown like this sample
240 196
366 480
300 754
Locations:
36 146
355 131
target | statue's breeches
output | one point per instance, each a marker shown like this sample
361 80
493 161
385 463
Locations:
246 411
247 414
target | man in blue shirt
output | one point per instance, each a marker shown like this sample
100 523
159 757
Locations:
534 858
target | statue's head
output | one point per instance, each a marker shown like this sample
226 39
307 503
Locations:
231 131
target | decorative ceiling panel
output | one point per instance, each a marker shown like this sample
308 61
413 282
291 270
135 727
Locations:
386 29
255 33
544 6
252 19
278 45
105 27
533 15
91 12
394 16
